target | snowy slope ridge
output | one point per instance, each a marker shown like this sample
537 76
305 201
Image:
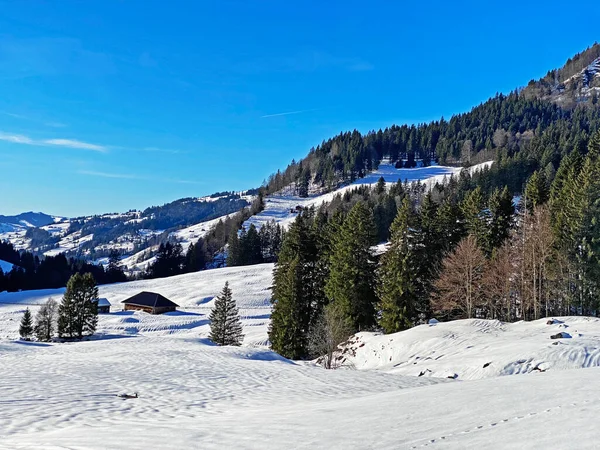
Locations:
472 349
280 207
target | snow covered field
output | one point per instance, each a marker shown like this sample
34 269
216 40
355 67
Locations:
194 293
279 207
193 394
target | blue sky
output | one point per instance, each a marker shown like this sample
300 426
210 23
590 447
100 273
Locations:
111 105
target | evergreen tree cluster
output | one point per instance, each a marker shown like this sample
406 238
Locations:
51 272
250 246
74 318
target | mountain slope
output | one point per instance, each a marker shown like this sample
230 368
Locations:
578 81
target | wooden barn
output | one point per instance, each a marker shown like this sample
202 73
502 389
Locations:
103 306
149 302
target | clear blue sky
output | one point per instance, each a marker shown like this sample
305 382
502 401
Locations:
108 105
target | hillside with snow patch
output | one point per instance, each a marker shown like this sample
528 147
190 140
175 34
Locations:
281 207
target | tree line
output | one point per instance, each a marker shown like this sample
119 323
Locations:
32 272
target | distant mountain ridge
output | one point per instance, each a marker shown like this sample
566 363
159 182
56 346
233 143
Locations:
94 237
29 219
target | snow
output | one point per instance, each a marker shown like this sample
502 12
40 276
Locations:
69 242
278 207
475 348
103 302
191 235
5 266
192 394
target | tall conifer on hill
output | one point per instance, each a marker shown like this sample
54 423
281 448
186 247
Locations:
351 282
397 280
225 324
297 290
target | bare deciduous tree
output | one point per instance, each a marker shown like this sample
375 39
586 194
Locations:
329 331
459 287
498 281
45 320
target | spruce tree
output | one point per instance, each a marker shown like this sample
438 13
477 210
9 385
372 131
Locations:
78 311
114 270
225 324
297 290
233 249
250 247
475 217
396 286
501 213
351 283
536 190
26 327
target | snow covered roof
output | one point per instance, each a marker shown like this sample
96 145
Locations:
151 299
103 302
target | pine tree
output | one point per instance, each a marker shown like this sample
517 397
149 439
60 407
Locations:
26 327
476 219
501 213
297 290
78 311
536 190
225 324
114 270
250 247
351 283
45 321
397 288
233 249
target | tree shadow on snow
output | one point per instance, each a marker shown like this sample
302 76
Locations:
33 344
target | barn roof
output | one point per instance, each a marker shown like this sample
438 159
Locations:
150 299
103 302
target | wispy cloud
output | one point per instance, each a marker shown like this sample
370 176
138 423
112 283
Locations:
288 113
131 176
124 176
16 138
55 124
73 143
51 123
16 116
69 143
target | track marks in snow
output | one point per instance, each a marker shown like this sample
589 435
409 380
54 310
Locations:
428 442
